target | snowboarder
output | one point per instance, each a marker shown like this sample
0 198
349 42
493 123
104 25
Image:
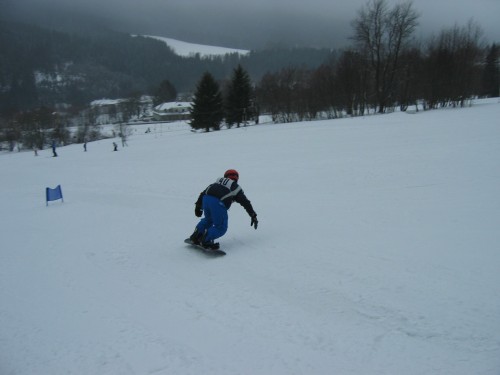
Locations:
214 202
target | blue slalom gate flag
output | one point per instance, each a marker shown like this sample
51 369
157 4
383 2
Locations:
53 194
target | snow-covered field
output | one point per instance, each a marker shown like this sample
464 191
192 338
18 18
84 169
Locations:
190 49
377 251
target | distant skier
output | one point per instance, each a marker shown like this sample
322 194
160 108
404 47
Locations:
214 202
54 153
115 146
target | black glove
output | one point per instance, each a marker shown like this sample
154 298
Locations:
198 211
254 221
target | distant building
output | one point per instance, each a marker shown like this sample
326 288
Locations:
172 111
108 111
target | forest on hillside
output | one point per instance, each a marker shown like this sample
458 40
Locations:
39 66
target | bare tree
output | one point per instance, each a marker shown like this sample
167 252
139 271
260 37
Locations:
410 78
323 84
452 66
490 84
381 35
88 128
351 84
287 95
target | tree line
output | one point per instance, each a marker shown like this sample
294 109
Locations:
384 68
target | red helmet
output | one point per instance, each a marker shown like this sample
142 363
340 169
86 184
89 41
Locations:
232 174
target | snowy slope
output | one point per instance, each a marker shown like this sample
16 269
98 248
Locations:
190 49
376 253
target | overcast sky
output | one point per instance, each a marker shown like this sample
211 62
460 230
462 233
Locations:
256 23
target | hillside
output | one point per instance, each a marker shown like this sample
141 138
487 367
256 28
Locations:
40 66
191 49
376 253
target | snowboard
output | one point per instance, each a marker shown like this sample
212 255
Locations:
212 252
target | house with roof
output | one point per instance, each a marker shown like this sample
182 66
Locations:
111 110
172 111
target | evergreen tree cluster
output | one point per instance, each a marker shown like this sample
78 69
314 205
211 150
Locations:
211 107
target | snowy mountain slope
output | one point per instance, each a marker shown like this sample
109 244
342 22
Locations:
190 49
376 253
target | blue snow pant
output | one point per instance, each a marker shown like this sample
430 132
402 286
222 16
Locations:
215 220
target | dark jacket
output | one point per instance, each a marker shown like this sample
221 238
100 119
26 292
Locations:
228 191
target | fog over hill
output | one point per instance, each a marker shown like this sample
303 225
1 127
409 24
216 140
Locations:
247 25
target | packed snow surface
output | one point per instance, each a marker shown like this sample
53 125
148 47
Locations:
377 251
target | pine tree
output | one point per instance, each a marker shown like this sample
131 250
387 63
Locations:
238 100
207 111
